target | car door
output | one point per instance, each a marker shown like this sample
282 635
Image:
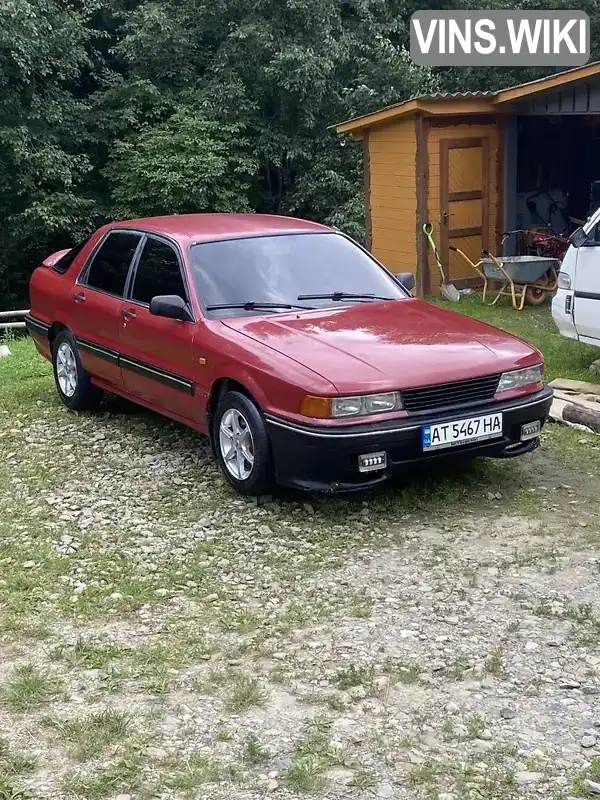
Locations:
157 354
95 304
586 309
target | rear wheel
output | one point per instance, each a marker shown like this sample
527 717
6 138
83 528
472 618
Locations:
242 445
536 295
73 383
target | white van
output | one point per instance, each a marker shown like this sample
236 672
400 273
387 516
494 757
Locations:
576 304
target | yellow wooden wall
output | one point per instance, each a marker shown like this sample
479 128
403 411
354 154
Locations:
393 198
458 268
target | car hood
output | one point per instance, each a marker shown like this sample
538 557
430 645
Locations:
389 345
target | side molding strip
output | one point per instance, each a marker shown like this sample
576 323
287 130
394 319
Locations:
36 327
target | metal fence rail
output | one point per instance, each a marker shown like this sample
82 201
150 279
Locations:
18 323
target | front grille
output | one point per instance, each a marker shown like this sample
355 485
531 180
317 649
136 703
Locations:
446 395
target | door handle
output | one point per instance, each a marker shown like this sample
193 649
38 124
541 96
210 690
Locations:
445 218
127 315
79 297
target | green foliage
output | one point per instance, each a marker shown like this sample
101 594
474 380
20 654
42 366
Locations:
126 108
187 164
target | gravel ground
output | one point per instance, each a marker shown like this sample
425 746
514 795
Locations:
164 638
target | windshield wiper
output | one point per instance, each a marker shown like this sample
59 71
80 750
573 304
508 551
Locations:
342 296
252 305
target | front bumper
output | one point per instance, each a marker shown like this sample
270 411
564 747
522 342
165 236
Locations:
324 459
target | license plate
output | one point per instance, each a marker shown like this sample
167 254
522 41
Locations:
462 431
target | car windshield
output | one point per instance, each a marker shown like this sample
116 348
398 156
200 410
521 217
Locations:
312 270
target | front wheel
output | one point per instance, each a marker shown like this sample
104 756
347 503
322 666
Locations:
72 381
242 445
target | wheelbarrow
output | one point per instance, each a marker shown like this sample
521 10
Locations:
525 279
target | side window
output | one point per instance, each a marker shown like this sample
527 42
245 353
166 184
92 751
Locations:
110 266
157 273
63 264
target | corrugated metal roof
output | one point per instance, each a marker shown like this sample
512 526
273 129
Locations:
505 95
454 96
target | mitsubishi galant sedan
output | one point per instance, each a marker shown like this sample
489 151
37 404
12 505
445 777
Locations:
303 359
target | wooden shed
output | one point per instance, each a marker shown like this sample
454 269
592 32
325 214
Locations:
470 163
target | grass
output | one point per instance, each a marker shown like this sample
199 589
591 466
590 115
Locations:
118 777
13 767
245 693
494 663
187 773
28 688
253 752
459 667
305 775
401 672
24 376
586 622
579 786
311 758
92 734
88 654
475 725
493 782
353 676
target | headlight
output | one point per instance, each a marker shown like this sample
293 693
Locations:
346 406
335 407
365 404
520 378
564 280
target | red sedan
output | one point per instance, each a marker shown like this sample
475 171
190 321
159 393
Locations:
303 359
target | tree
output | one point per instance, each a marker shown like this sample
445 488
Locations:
122 108
42 48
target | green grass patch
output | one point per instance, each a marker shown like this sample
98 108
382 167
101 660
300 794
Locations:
253 752
90 735
13 766
119 777
311 759
28 688
245 693
88 654
24 376
579 786
353 675
187 773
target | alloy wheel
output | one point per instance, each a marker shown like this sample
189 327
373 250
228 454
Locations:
236 444
66 369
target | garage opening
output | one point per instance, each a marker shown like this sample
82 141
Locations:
557 180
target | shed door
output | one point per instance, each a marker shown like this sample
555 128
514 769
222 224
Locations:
464 202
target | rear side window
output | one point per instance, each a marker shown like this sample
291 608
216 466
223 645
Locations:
110 266
157 273
63 264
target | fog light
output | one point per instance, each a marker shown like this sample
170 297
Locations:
530 431
370 462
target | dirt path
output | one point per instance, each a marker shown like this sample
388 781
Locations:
162 637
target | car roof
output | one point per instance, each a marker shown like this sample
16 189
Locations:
208 227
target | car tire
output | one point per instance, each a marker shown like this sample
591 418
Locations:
536 295
242 445
73 383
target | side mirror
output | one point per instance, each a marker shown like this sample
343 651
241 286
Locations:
171 306
407 279
578 237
